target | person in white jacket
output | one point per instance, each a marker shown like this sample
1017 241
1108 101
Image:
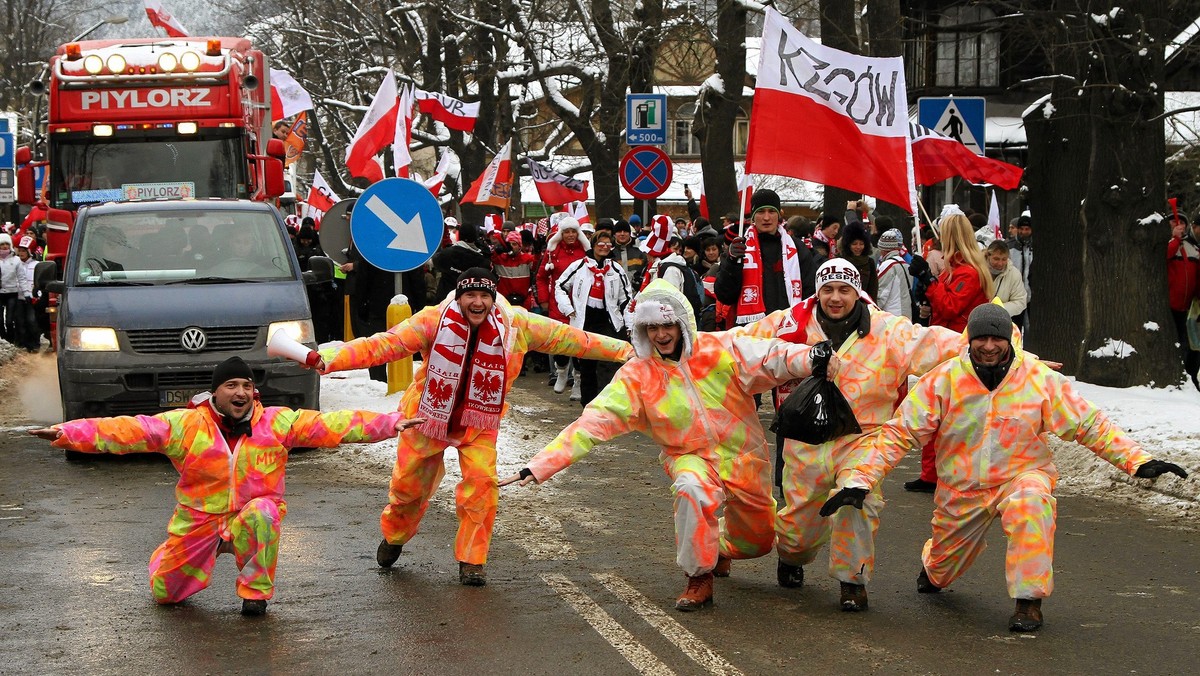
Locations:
1010 287
10 288
593 293
894 281
29 334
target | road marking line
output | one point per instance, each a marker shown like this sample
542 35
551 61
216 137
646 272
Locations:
666 625
635 653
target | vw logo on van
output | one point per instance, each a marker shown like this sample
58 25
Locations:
193 339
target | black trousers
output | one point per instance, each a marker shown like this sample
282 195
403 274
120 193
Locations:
1191 358
595 375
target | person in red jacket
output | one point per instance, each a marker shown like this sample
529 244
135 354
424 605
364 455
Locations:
964 285
514 266
1183 285
566 245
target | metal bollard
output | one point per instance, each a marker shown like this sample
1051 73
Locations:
399 373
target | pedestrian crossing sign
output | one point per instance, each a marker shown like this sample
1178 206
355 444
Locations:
961 118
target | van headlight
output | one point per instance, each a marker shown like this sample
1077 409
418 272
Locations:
92 339
300 330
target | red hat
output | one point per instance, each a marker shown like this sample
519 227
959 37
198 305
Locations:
658 242
25 243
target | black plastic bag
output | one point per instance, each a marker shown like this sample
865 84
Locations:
816 411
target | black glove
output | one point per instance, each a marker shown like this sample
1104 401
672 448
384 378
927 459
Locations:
737 249
920 271
1152 469
846 496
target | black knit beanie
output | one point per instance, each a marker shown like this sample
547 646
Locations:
231 368
989 319
476 279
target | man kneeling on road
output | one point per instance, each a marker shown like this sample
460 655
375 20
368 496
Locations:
693 393
986 412
231 454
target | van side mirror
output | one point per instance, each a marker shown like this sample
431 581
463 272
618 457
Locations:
320 270
45 276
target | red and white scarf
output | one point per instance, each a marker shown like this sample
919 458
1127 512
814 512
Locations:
750 306
484 400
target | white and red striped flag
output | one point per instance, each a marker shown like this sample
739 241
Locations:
937 157
994 218
553 188
494 185
403 136
829 116
448 110
579 212
288 98
160 17
376 132
434 183
320 198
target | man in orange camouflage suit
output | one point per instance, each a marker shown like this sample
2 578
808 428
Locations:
472 347
987 412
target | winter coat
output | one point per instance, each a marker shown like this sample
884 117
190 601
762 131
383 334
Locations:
632 259
983 438
702 405
515 271
672 274
26 277
953 295
1020 254
1183 273
1010 289
876 366
214 478
573 288
894 285
453 260
775 294
523 332
554 262
10 271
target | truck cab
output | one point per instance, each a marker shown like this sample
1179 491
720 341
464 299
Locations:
155 294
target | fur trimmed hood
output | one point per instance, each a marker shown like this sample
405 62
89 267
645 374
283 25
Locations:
659 303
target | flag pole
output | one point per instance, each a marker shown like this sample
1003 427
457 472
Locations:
917 229
742 208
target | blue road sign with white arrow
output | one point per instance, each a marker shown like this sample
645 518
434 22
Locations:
396 224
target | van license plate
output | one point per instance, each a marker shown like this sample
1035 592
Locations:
176 398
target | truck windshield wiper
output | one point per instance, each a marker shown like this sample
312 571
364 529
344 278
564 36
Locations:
214 280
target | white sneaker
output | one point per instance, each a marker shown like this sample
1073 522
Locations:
575 395
560 385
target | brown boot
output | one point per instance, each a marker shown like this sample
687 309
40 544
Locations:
1028 616
854 597
471 574
699 593
724 565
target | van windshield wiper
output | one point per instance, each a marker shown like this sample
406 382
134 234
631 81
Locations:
117 282
214 280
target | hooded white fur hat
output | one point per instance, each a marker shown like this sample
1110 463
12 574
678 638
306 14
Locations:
661 303
567 223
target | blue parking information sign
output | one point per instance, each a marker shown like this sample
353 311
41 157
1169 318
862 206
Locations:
8 167
646 119
962 118
396 224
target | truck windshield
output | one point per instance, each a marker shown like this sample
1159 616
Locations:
87 169
181 246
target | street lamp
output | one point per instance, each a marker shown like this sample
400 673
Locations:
38 88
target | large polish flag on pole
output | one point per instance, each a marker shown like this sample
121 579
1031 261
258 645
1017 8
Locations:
553 188
376 132
448 110
494 186
162 18
824 115
288 97
937 157
320 198
434 183
401 157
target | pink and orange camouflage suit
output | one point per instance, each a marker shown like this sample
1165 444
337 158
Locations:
993 461
874 372
232 495
700 409
419 466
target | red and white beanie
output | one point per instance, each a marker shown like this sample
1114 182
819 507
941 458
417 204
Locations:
841 270
658 242
26 243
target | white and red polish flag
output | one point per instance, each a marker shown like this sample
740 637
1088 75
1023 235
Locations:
403 135
494 185
937 157
553 188
162 18
579 212
434 183
320 198
448 110
288 98
824 115
376 132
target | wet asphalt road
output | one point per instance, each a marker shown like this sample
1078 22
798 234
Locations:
581 580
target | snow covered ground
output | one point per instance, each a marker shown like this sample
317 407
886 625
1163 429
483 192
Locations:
1165 422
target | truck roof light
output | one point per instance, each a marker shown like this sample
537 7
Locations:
74 52
214 47
167 61
190 61
93 64
102 130
187 127
115 63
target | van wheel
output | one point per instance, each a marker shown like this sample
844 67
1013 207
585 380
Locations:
78 456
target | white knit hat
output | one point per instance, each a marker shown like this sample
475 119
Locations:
840 270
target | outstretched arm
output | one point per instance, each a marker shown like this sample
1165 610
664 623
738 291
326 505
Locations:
326 430
402 340
547 335
119 435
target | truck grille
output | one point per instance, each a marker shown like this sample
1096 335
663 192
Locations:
166 341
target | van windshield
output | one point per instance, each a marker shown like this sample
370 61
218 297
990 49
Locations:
180 246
